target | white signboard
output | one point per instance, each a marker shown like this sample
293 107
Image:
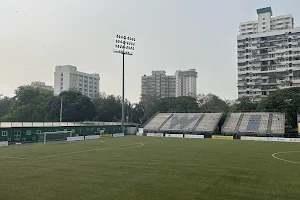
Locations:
252 138
141 130
78 138
118 135
193 136
174 135
294 139
271 139
4 144
275 139
92 137
139 134
155 134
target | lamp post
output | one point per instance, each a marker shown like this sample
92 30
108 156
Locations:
124 45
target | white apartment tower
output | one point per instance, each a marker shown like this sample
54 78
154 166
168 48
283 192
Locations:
268 55
186 83
67 77
158 85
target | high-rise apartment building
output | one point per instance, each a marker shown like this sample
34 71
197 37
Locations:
67 77
268 55
158 85
186 83
42 85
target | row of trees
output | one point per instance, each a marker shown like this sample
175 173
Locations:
31 104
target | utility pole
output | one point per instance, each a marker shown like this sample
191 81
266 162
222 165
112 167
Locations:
60 113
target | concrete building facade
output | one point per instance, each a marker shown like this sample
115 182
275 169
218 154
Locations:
186 83
42 85
268 55
158 85
67 77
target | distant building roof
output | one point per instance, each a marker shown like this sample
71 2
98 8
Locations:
264 10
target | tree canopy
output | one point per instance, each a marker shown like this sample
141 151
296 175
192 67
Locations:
244 105
5 105
76 107
285 100
33 104
29 104
212 103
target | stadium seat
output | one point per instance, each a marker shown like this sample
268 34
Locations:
278 122
231 123
156 122
181 122
209 122
254 123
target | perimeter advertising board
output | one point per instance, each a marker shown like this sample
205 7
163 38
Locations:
174 135
193 136
221 137
92 137
4 144
155 134
118 135
78 138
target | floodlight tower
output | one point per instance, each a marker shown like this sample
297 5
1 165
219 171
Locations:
125 46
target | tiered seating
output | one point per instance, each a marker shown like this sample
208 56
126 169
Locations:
256 123
278 122
264 122
209 122
244 123
157 121
231 123
181 122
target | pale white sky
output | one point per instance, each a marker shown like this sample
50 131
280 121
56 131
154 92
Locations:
36 35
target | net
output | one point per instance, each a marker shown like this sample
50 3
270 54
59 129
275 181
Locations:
54 136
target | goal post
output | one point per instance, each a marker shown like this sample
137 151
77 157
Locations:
54 136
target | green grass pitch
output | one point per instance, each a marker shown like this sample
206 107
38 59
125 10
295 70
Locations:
150 168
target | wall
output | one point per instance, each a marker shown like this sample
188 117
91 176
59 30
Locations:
77 131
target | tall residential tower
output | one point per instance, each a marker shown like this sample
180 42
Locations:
268 55
186 83
158 85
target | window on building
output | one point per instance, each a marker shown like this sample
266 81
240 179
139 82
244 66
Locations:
61 74
28 132
4 133
61 88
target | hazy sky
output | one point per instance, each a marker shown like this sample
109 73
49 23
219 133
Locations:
37 35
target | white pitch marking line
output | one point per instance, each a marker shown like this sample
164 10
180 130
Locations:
75 152
290 161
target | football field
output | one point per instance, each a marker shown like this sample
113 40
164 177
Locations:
140 168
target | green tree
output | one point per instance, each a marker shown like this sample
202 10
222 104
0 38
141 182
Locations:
29 104
76 107
109 108
212 103
285 100
137 113
244 104
5 105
